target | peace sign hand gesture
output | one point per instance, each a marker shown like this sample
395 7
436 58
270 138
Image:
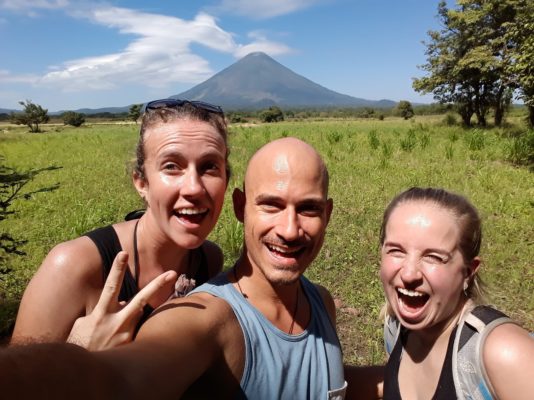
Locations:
112 323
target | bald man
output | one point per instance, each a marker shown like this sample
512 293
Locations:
260 331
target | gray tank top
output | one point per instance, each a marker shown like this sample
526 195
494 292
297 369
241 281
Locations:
282 366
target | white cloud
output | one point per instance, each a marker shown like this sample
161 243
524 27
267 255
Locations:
159 54
262 9
7 77
261 43
30 6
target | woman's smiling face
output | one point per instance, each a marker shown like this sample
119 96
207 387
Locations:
185 179
422 268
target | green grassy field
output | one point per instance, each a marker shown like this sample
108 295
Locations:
369 161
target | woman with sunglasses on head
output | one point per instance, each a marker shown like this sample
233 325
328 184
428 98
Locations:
181 173
441 344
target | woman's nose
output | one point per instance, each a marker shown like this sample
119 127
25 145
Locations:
411 270
192 183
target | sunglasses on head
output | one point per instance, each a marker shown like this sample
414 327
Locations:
175 103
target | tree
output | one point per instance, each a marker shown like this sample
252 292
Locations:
468 58
73 118
520 37
135 112
32 115
272 114
405 109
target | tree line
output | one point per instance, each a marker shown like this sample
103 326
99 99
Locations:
482 58
33 115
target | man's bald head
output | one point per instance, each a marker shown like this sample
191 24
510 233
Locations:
285 209
286 157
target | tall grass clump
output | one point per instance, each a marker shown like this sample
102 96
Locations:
475 140
449 151
409 141
424 140
449 120
386 153
374 142
521 150
333 137
453 136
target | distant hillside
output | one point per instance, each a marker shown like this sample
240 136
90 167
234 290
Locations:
89 111
257 81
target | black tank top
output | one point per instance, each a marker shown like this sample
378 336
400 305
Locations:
445 389
108 245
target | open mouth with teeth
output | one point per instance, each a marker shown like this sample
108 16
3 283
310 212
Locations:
412 300
285 252
193 215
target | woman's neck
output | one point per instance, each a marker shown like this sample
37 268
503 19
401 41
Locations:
156 253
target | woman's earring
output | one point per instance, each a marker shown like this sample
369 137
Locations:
466 286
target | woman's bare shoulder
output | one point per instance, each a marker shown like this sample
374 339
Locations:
508 356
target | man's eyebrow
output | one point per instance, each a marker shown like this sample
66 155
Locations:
267 198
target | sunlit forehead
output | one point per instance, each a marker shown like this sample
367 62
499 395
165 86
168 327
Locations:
281 167
280 164
281 185
419 220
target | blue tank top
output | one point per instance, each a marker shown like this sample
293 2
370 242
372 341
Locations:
282 366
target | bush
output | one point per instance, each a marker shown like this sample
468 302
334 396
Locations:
235 118
73 118
272 114
449 120
521 151
405 109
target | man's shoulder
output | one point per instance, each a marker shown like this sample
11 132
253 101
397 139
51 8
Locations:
201 310
328 301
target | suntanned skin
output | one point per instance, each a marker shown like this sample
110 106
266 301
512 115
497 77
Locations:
509 362
194 346
421 253
184 167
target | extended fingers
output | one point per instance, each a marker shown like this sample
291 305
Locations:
161 283
109 297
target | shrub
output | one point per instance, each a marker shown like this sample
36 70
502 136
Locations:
73 118
449 120
272 114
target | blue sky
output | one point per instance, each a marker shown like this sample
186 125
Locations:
71 54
